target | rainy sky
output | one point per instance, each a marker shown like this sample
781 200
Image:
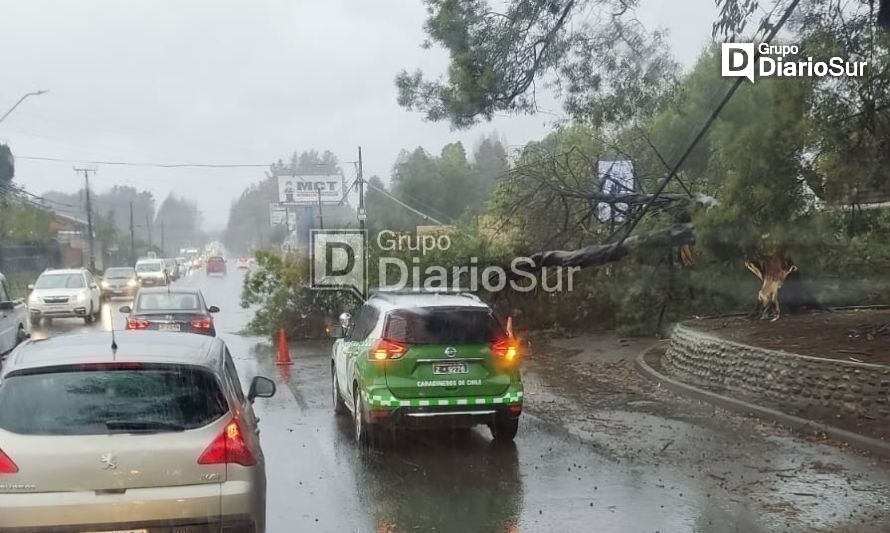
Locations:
201 81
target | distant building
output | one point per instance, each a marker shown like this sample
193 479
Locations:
71 234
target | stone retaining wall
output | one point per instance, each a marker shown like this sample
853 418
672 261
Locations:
779 379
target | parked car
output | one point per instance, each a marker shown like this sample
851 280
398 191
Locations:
15 327
242 263
424 360
151 272
153 435
216 265
171 309
65 293
119 281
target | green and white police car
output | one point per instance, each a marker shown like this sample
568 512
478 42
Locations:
419 360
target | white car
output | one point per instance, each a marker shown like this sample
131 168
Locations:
14 324
152 272
155 435
242 263
65 293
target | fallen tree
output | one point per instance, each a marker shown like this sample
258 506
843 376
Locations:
596 255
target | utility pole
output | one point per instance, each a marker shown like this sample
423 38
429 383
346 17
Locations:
362 215
132 237
320 216
86 178
148 226
163 247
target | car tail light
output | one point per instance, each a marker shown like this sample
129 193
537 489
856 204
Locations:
506 349
137 323
228 447
6 464
388 349
203 323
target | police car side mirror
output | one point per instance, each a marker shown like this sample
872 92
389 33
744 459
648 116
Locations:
125 309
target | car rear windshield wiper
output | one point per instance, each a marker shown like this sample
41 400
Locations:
142 425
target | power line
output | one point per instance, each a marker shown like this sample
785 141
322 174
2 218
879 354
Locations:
704 129
149 165
38 197
403 204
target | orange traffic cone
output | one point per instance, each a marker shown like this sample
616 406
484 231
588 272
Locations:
283 352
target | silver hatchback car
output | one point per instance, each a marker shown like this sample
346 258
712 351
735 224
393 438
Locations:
156 435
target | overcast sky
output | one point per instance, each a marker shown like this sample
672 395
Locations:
215 81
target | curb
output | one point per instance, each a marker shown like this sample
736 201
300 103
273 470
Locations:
803 425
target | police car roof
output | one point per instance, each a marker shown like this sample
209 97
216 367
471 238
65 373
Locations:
398 300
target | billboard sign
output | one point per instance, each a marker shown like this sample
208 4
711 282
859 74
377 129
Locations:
277 213
616 177
306 190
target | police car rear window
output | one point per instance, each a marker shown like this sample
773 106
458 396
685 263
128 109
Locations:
442 326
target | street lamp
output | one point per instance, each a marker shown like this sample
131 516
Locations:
22 99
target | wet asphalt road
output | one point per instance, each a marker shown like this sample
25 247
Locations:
571 469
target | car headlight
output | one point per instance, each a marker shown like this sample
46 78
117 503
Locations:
80 297
32 300
105 284
132 282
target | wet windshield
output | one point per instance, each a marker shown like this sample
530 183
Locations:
60 281
454 265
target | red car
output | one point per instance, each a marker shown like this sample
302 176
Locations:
216 265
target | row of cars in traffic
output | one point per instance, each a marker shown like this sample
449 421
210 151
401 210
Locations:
145 429
77 293
149 429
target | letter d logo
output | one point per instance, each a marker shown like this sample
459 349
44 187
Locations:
737 60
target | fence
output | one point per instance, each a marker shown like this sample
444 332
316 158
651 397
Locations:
22 263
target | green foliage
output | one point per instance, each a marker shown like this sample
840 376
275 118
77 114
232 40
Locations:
444 187
21 223
180 221
248 225
7 165
531 200
779 159
279 289
606 65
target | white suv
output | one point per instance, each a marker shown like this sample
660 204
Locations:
65 293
